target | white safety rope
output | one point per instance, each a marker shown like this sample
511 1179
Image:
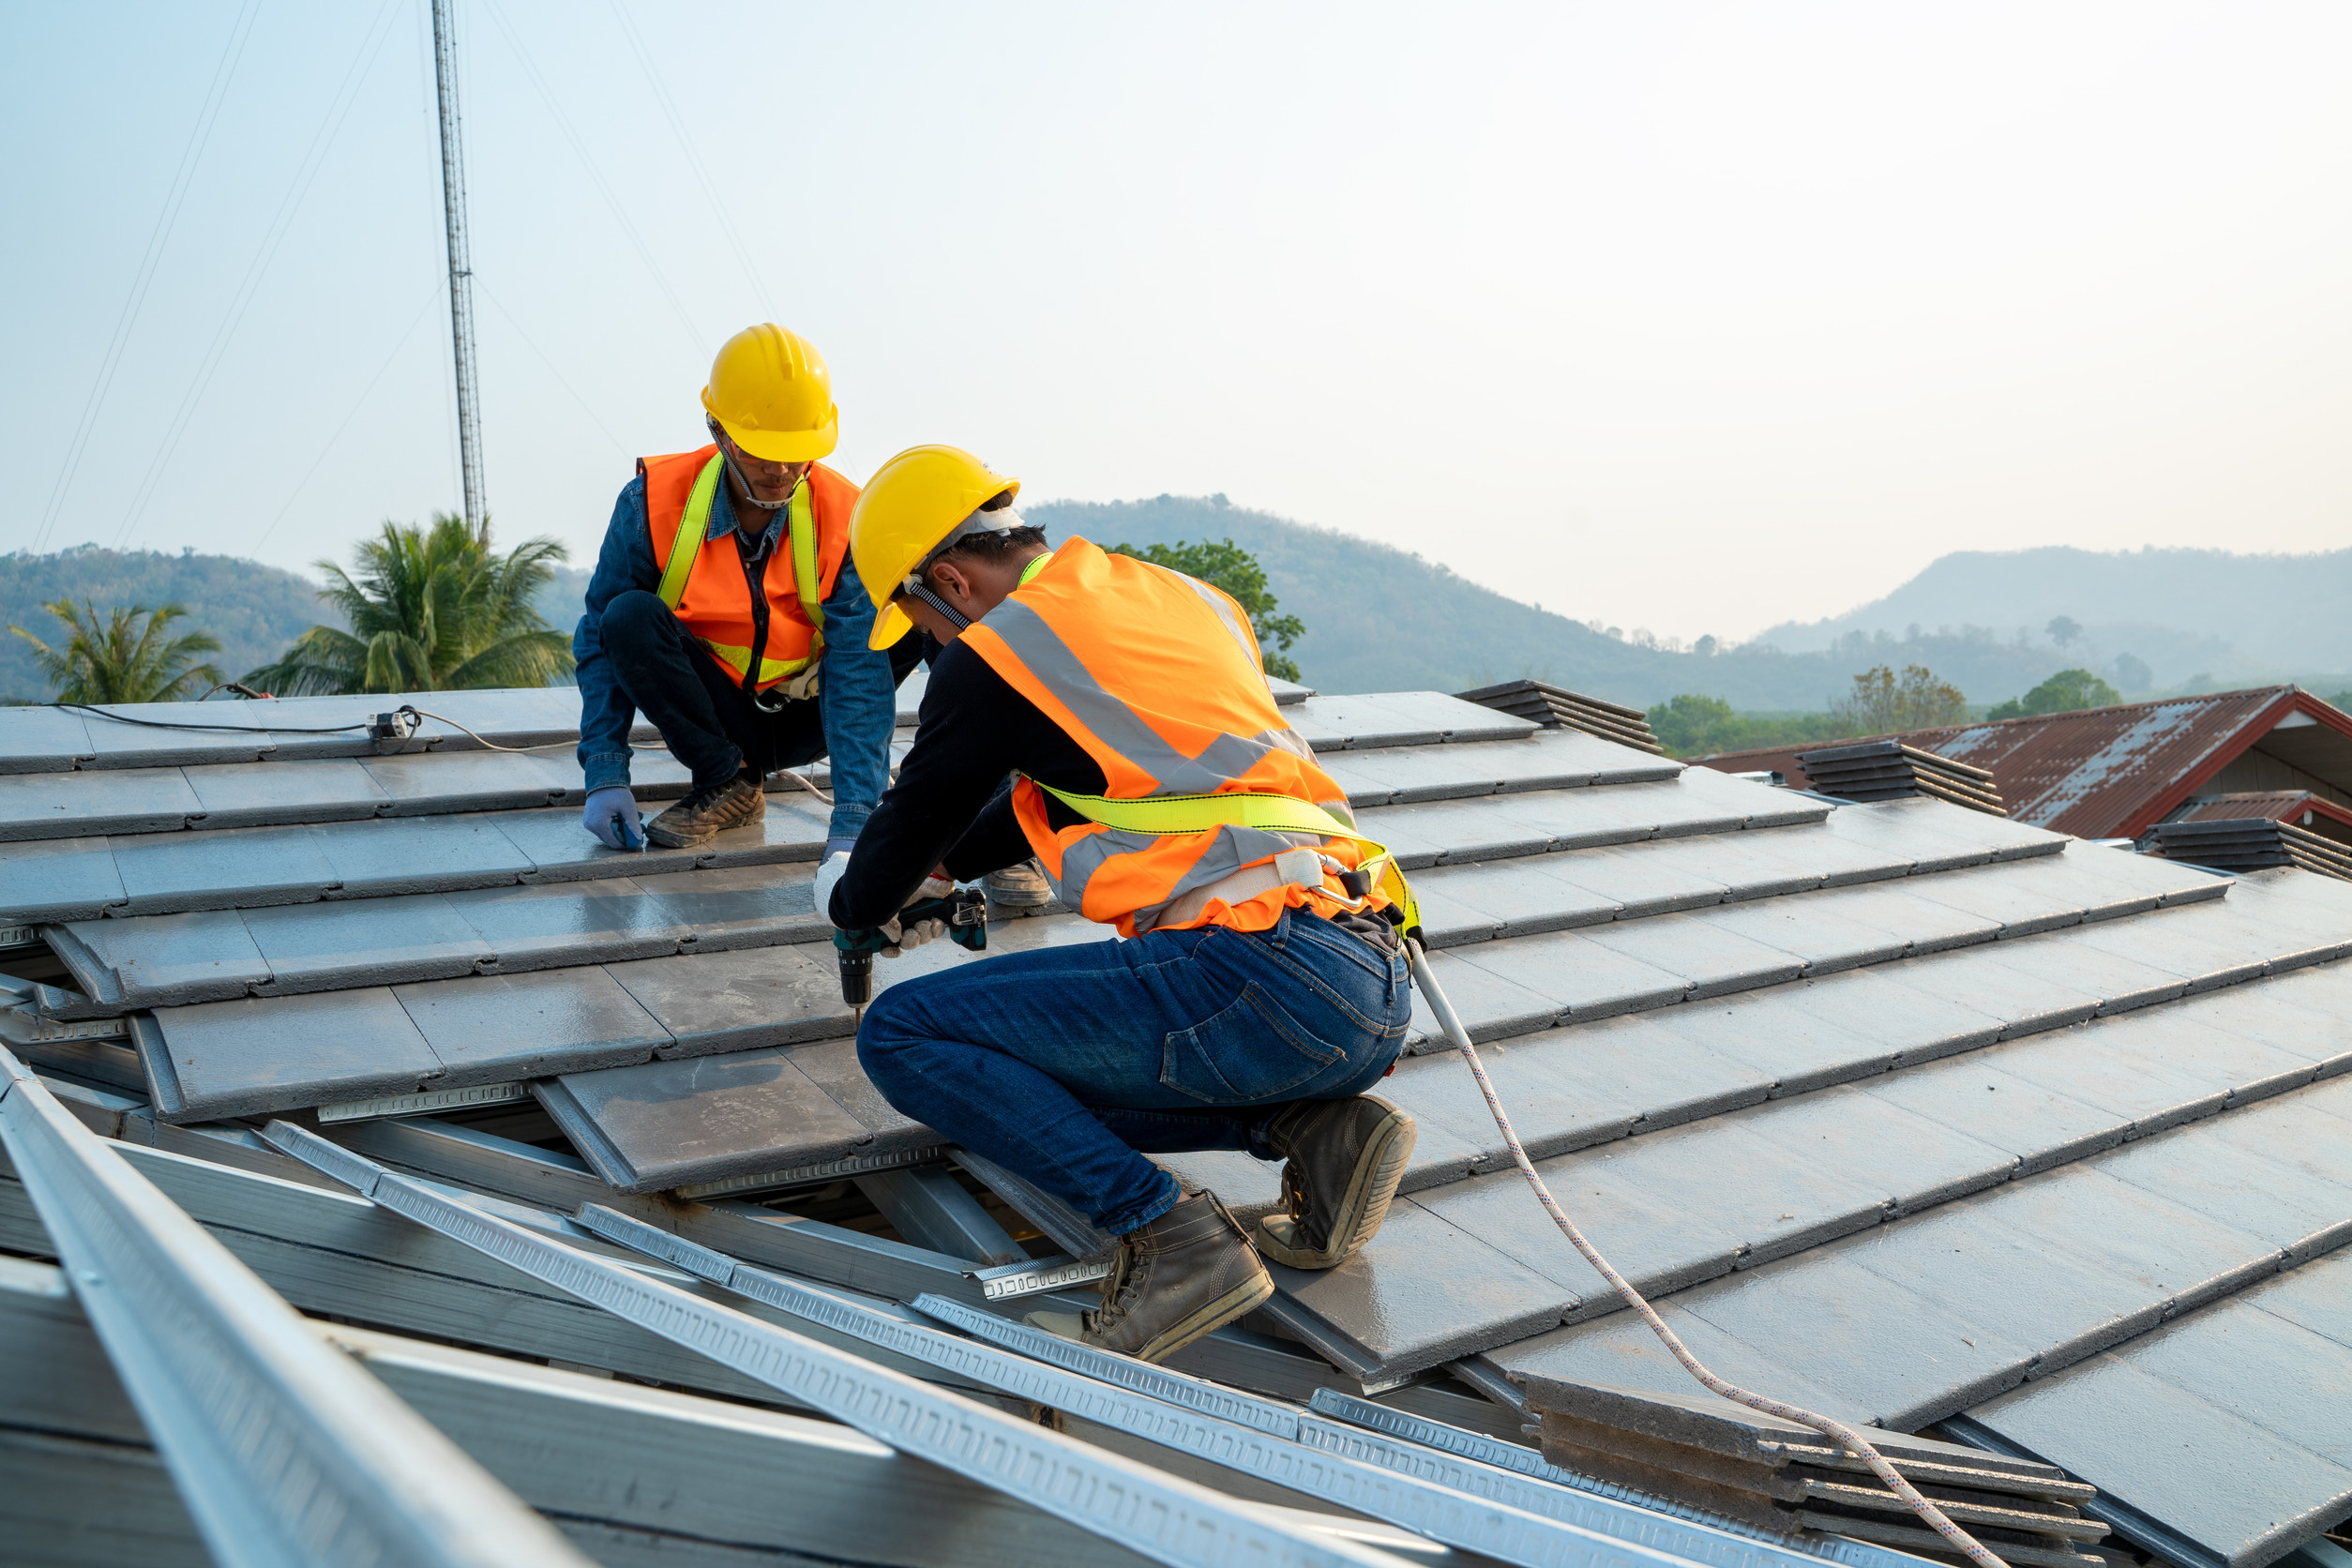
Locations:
1852 1441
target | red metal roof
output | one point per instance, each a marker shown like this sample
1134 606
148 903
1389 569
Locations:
2102 773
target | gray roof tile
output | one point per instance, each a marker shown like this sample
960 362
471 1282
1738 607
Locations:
243 795
58 879
751 906
242 867
549 927
725 1001
391 855
1909 1161
78 805
241 736
2242 1494
703 1119
40 739
1710 959
372 941
1640 879
1574 976
1620 1350
247 1056
495 1028
1650 1241
163 961
1436 1292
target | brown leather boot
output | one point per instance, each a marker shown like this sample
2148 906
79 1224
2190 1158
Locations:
1344 1159
707 811
1171 1281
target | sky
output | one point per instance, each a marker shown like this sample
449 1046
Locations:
1687 317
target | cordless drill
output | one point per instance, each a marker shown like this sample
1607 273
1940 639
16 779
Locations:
966 912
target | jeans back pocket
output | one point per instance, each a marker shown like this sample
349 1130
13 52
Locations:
1251 1051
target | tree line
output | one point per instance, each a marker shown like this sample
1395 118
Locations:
436 608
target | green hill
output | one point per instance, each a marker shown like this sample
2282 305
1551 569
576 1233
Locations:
1382 619
255 610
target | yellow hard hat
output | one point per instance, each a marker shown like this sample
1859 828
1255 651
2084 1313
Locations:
907 510
771 390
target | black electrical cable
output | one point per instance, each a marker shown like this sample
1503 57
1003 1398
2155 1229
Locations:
164 724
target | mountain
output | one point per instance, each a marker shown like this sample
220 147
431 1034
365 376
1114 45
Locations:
2181 611
1382 619
254 611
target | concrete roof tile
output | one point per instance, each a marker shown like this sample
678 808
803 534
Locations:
1642 880
1426 1290
1647 1237
369 942
832 1067
1884 1347
243 795
163 961
1712 959
1421 836
433 784
78 805
1820 935
1635 1062
713 1002
2237 1185
58 879
1621 1350
2316 1295
1508 898
2240 1491
1420 773
1767 1033
555 848
390 855
2306 1012
1575 976
2037 1125
1905 1160
164 873
2024 1002
551 926
750 906
241 736
702 1118
1492 1003
36 739
2166 1248
252 1055
2038 894
492 1028
1553 1107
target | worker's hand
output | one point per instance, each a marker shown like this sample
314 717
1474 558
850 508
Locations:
939 885
610 814
829 871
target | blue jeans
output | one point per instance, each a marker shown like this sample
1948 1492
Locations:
1070 1064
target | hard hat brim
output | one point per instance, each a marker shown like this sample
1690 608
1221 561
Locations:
890 624
786 446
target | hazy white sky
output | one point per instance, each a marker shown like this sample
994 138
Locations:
1684 316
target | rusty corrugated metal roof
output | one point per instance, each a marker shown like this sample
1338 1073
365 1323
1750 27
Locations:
2101 773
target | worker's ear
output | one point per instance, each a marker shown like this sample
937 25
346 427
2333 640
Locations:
949 580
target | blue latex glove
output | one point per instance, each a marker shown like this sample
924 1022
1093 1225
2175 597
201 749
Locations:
610 814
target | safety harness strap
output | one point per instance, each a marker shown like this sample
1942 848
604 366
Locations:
1163 816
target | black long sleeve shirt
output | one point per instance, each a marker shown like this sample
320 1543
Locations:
950 804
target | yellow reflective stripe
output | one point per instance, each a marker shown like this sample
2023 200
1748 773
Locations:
1031 570
803 531
688 543
1164 816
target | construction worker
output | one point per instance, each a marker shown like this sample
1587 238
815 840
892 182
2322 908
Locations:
1255 998
719 611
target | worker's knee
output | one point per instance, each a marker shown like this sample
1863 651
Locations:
636 617
886 1033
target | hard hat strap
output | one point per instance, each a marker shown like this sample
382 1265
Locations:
726 451
955 618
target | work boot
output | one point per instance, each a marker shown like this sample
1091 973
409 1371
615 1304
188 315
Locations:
1344 1159
1019 889
1173 1280
707 811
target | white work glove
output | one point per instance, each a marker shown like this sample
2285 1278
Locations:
903 938
828 878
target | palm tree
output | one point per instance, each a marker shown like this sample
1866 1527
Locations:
433 609
123 661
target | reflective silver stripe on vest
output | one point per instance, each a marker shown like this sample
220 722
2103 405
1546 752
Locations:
1049 658
1225 613
1232 849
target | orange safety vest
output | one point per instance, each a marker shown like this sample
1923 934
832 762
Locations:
703 581
1159 678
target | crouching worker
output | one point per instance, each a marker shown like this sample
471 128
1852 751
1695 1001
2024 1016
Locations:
721 611
1255 1000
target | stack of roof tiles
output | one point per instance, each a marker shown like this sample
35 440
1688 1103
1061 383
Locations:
1905 1111
1787 1478
1555 707
1888 770
2250 843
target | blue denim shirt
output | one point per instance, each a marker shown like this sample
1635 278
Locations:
859 700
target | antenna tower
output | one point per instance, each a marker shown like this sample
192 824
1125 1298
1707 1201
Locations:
460 266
